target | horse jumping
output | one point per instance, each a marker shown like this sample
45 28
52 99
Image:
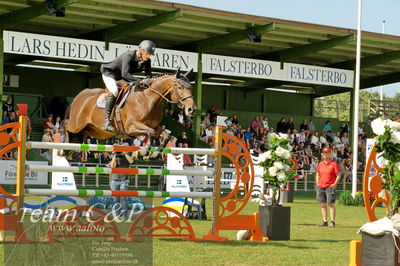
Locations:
141 113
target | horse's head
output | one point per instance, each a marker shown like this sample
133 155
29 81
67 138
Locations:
182 92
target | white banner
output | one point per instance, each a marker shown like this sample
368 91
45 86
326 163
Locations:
88 50
260 69
94 51
8 173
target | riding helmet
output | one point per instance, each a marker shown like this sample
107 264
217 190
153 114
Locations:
148 46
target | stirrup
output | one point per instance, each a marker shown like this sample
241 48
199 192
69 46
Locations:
108 126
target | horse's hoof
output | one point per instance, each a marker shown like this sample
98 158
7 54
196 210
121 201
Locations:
146 158
154 155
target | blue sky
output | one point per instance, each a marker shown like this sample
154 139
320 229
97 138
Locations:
340 13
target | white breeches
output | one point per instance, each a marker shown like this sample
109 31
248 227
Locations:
111 85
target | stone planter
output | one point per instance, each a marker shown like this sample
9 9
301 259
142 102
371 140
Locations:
379 250
275 222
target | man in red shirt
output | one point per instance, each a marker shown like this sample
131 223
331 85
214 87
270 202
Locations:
327 177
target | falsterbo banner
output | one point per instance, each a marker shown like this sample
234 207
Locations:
94 51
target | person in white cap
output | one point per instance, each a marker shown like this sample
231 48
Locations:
327 177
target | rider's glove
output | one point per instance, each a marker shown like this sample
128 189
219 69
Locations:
145 81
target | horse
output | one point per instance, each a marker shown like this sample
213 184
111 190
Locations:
141 113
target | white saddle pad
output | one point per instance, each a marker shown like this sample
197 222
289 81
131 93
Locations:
101 101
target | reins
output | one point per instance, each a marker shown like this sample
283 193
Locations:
179 102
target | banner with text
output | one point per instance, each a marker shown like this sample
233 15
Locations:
8 173
94 51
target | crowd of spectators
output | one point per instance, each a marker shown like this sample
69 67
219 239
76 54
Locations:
305 139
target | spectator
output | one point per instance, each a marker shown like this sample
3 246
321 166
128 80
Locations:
311 126
48 123
181 117
308 152
189 124
203 135
248 135
235 119
235 129
323 140
48 155
8 107
214 112
206 120
315 142
229 131
47 136
329 135
182 141
281 126
209 132
256 126
57 124
347 154
264 122
345 139
289 125
60 135
294 137
347 169
172 114
10 118
345 128
228 122
314 165
360 129
338 143
302 136
304 126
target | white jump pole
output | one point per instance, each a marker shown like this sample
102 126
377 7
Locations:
120 193
131 171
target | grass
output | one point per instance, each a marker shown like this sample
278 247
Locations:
309 244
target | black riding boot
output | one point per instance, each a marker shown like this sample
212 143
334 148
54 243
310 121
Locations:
109 106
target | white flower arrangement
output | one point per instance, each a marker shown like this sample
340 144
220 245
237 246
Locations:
387 147
277 163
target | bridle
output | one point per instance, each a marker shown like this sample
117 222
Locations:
174 88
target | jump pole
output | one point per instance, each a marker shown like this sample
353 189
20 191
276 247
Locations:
117 193
21 161
128 171
112 148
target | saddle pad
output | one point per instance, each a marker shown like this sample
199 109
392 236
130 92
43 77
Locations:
101 101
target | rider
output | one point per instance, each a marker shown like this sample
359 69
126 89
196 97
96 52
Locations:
121 68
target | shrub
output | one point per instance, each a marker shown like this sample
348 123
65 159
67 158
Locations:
345 198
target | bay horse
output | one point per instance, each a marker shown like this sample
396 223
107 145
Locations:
141 113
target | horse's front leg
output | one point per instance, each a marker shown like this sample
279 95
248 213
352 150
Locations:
139 128
165 137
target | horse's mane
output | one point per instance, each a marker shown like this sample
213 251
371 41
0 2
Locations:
159 76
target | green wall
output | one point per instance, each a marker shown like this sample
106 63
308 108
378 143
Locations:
49 83
232 98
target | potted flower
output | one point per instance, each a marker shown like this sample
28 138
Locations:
279 170
387 144
378 243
